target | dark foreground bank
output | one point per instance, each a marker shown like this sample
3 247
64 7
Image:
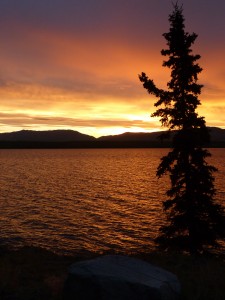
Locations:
33 273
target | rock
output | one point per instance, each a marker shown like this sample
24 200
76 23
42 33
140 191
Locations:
116 277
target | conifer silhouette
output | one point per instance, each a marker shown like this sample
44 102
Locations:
195 221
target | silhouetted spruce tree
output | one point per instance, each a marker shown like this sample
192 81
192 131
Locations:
195 221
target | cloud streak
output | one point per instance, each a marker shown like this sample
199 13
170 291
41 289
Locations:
88 125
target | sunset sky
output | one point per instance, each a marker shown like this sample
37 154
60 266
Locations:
74 64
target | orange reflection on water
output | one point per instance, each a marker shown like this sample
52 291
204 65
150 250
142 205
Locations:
93 200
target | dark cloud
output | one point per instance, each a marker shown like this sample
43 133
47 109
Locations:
53 89
83 16
121 16
3 83
21 120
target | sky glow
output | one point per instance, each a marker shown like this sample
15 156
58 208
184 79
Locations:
75 64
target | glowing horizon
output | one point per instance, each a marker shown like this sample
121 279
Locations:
76 66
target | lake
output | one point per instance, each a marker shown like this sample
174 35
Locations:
73 200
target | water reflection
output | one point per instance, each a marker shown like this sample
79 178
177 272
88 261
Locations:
69 200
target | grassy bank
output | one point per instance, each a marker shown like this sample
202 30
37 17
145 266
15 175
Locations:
32 273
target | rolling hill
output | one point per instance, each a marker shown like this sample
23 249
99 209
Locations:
75 139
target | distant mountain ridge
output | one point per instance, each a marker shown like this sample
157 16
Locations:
75 139
216 134
45 136
131 136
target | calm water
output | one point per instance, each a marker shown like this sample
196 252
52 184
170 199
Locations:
75 200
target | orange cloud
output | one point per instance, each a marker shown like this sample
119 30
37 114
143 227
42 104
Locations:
57 79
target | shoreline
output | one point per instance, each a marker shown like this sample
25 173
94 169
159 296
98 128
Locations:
36 273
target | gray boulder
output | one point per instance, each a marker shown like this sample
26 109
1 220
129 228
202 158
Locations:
116 277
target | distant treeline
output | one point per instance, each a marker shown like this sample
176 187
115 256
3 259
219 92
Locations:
94 144
82 144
